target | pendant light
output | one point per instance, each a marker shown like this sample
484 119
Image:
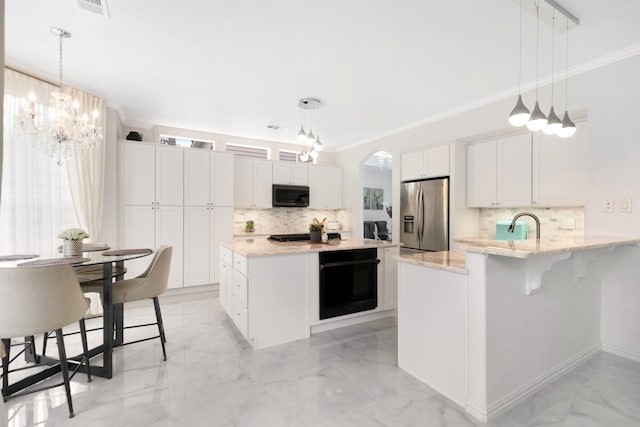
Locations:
568 127
520 114
302 135
538 120
553 121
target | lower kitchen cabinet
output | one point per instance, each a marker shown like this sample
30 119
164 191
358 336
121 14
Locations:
152 227
204 229
226 279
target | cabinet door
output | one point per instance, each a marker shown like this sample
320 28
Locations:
559 170
138 172
412 165
196 245
281 173
481 174
390 278
242 183
221 229
169 231
221 174
169 176
226 272
333 187
436 162
262 183
196 177
299 174
514 171
139 232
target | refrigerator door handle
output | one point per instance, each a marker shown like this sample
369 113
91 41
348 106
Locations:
421 215
417 205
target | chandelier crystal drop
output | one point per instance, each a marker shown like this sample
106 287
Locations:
66 126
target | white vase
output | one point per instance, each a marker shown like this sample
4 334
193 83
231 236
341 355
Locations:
72 248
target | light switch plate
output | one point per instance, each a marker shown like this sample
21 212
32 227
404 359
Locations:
608 206
624 205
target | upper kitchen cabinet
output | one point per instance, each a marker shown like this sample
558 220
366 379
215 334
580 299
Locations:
559 170
139 174
152 174
325 187
429 163
169 175
252 183
207 178
290 173
499 172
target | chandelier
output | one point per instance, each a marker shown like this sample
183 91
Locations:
65 126
309 105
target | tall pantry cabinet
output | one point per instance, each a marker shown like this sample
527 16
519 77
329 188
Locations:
162 191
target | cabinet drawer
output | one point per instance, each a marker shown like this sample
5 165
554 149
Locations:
226 255
241 317
240 287
240 263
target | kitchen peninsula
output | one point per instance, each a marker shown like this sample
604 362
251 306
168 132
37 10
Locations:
489 329
275 292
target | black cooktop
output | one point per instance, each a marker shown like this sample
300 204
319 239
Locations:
290 237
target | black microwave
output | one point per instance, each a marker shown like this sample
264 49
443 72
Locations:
290 196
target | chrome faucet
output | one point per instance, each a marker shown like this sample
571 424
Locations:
535 218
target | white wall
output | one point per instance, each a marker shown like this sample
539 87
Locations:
610 96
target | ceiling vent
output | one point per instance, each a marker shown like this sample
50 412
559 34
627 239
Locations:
276 127
95 6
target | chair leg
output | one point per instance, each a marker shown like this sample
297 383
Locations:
163 340
85 348
45 338
65 370
5 364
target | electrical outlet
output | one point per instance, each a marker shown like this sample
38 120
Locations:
624 205
608 206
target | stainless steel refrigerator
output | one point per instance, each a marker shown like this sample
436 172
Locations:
424 214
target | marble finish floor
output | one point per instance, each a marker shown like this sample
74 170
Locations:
344 377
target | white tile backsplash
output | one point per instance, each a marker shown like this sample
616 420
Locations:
287 220
554 222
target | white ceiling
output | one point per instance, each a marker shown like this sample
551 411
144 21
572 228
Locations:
235 67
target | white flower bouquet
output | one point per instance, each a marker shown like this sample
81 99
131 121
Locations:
73 234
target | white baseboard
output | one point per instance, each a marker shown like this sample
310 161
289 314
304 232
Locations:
327 326
622 352
521 393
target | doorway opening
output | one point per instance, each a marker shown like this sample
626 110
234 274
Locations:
377 196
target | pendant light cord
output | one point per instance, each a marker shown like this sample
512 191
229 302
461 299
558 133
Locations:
520 57
537 4
60 58
553 38
566 70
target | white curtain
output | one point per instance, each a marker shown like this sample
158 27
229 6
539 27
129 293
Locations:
35 200
86 172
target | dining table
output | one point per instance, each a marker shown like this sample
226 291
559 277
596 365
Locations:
112 319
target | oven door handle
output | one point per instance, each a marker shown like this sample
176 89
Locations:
345 263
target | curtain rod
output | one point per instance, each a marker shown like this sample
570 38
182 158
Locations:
24 73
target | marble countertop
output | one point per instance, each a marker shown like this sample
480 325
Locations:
264 247
264 234
452 261
531 247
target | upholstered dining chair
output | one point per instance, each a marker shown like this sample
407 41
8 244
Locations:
35 300
148 285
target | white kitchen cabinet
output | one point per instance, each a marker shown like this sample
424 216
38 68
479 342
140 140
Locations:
559 170
290 173
169 175
204 228
252 183
390 265
207 178
139 231
499 172
429 163
138 174
226 280
325 187
169 231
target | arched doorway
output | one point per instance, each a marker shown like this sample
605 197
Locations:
377 196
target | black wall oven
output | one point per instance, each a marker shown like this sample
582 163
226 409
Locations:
348 282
